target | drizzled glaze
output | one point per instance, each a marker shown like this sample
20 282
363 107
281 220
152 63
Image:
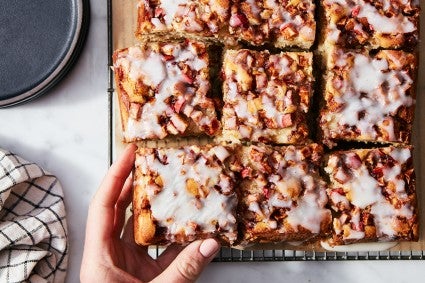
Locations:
284 192
193 195
175 81
384 24
377 189
368 92
204 17
266 96
285 22
375 23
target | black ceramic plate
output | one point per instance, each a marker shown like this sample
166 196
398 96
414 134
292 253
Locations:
40 41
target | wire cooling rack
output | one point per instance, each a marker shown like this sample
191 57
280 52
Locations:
236 255
232 255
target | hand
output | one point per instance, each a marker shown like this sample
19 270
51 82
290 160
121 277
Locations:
108 257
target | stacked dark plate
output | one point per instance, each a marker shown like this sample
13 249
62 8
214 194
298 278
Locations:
39 43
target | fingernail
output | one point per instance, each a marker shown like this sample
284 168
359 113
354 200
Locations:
209 247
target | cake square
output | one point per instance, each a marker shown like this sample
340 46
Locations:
183 194
375 24
372 194
199 19
369 98
163 90
276 22
281 196
266 96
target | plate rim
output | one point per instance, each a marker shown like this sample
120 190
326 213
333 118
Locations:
73 52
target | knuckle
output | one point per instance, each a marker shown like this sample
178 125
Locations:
189 268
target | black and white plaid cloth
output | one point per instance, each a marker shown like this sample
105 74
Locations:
33 230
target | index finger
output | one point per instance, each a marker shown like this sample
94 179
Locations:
102 208
110 188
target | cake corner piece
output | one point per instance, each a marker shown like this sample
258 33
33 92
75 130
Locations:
183 194
373 195
163 90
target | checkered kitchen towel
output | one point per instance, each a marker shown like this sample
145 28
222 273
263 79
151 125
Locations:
33 231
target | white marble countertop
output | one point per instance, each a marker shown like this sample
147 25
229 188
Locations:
66 132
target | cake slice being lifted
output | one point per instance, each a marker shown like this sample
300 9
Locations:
368 98
372 194
183 194
163 90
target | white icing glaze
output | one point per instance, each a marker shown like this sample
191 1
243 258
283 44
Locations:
295 244
151 70
339 199
355 220
233 91
370 75
380 23
269 107
143 128
281 203
272 4
254 7
221 10
384 24
367 74
393 175
359 247
163 75
271 111
305 209
254 207
221 152
283 64
275 17
241 110
362 190
174 207
188 15
158 24
385 215
282 18
170 9
309 213
401 155
308 33
273 224
356 235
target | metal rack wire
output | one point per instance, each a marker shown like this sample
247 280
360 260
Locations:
234 255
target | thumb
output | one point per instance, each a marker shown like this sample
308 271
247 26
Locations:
191 261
